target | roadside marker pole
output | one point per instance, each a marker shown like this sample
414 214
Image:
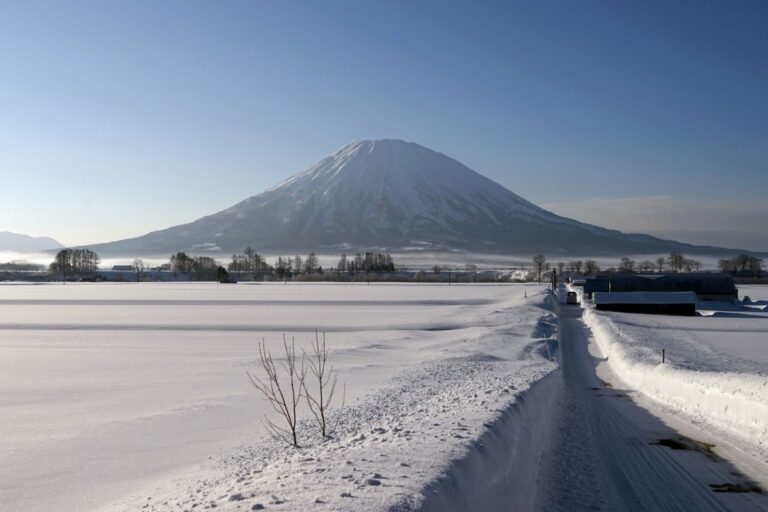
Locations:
663 355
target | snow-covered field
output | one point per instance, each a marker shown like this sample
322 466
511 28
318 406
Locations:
117 396
716 369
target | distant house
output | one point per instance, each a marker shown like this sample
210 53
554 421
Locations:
708 286
660 303
122 268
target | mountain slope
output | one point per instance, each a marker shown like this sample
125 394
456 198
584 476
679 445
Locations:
25 243
394 195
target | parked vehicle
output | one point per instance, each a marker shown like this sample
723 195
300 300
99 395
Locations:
572 298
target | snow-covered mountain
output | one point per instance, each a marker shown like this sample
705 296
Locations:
24 243
392 195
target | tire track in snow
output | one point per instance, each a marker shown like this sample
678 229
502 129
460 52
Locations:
601 456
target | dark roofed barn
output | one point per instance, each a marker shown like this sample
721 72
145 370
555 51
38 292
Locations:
659 303
707 286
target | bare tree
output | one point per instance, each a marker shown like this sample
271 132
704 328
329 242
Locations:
691 265
725 265
284 401
139 268
590 267
675 261
627 265
181 263
342 266
660 263
744 264
646 266
575 266
755 266
311 264
326 379
298 264
538 265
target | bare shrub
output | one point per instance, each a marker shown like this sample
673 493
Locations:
326 378
284 401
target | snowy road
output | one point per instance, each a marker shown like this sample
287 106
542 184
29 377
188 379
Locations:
608 453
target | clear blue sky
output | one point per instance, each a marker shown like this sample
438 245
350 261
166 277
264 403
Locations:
122 117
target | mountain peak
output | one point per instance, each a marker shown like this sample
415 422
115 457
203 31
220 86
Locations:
389 194
24 243
378 143
385 160
381 147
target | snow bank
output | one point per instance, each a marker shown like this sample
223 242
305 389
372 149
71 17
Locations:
445 436
735 402
460 400
499 471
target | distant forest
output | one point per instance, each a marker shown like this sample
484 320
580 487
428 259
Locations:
83 265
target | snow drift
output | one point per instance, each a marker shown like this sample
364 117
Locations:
500 469
731 401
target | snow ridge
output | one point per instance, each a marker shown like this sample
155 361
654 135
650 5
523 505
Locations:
736 403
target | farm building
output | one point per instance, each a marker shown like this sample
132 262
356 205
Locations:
707 286
662 303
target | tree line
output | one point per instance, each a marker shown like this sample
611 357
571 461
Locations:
377 266
199 268
74 263
84 263
742 265
253 265
369 262
675 262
